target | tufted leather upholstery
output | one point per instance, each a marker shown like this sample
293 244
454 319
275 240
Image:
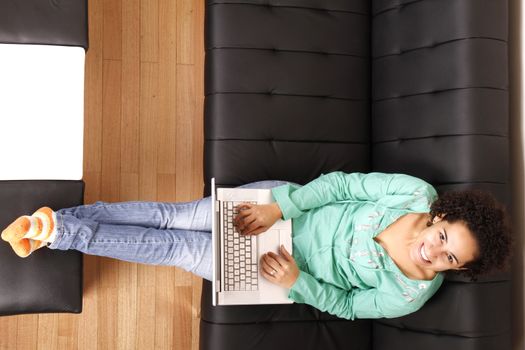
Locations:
299 88
271 72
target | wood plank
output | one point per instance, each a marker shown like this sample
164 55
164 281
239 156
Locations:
167 86
146 307
185 31
93 90
196 312
148 145
48 331
110 184
166 187
129 186
149 30
68 331
107 303
130 87
184 135
27 332
127 302
92 189
88 319
165 308
9 332
198 116
112 41
182 318
107 317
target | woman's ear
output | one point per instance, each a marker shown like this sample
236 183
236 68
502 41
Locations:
437 218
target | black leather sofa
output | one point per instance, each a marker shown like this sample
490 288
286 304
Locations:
46 281
297 88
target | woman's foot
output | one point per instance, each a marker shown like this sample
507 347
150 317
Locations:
26 246
29 233
20 227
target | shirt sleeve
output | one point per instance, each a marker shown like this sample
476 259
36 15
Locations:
394 190
350 304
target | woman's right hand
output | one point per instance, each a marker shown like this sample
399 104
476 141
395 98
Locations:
254 219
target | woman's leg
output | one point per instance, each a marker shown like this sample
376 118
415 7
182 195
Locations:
195 215
189 250
175 234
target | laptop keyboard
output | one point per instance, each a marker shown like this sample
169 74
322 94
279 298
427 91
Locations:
240 254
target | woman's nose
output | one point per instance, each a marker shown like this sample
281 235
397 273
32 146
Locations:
434 250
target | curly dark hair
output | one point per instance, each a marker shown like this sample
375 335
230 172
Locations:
489 222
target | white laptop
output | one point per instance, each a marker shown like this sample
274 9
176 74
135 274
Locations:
236 259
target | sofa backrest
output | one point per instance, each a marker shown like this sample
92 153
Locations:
440 112
287 89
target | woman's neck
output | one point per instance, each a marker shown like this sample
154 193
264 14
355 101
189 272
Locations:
398 237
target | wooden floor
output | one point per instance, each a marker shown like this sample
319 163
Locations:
143 141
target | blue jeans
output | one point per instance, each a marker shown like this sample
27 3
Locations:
174 234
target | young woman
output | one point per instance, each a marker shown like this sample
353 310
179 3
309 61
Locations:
364 245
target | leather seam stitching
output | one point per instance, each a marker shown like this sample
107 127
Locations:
291 7
324 53
437 44
438 91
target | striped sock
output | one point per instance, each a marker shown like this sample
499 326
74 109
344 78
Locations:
29 233
48 230
26 246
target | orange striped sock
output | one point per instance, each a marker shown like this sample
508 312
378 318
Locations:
29 233
24 247
48 231
20 227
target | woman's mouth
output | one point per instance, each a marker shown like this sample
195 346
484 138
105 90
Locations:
423 255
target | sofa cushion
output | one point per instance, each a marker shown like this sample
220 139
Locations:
394 338
47 280
333 335
294 326
471 299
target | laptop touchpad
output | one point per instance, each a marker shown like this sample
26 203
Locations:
268 242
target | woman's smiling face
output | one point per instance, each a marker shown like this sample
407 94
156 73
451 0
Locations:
443 246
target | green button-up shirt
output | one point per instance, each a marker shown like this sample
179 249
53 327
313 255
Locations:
344 271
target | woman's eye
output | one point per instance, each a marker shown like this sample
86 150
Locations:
441 236
450 259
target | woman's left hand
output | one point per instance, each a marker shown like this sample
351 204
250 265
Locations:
280 269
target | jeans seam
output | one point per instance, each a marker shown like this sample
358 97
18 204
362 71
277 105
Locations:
136 203
143 242
61 228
